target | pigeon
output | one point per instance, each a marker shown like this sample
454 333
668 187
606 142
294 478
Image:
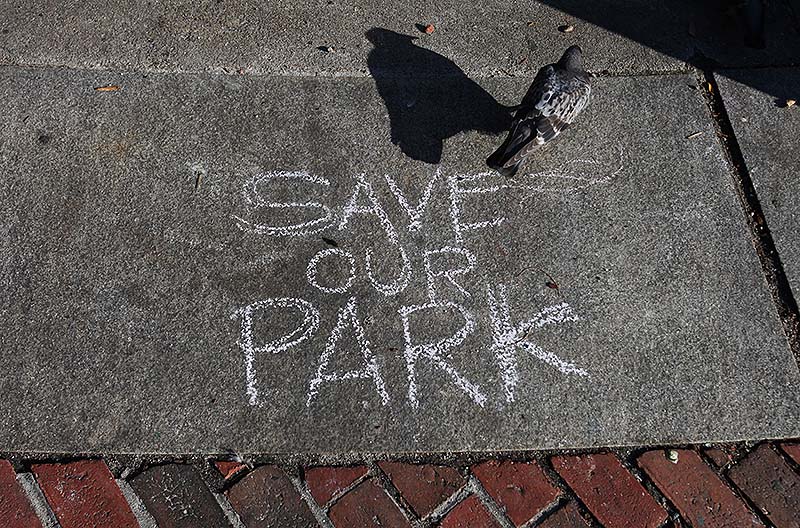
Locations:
559 92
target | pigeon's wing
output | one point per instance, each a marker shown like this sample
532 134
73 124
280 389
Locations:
522 127
552 103
542 84
561 102
550 106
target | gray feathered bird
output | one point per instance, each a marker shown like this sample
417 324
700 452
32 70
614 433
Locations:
559 92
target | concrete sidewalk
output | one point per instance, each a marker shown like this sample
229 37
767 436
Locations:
220 238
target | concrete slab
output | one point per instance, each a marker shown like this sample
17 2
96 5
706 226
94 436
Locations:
201 263
511 37
285 38
769 136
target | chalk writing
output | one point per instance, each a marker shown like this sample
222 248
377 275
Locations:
456 191
253 196
348 316
506 338
399 284
298 335
414 214
450 275
311 270
364 190
433 352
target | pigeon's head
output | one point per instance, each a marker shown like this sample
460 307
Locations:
572 59
384 38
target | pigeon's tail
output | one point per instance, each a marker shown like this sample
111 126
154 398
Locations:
507 171
496 162
509 156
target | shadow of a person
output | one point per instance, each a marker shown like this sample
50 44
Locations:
428 97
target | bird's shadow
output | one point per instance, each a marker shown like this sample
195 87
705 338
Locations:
428 97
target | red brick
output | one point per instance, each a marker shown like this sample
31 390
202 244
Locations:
267 498
326 482
229 469
367 506
521 488
423 486
695 489
718 456
793 450
470 513
15 509
771 484
567 517
83 494
176 496
610 492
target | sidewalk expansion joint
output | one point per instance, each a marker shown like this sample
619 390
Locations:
140 462
754 215
221 71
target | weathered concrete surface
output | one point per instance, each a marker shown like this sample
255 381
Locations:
484 38
284 37
769 136
133 237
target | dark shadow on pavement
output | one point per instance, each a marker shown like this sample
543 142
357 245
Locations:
734 35
428 97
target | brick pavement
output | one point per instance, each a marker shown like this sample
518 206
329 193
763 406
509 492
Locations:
733 485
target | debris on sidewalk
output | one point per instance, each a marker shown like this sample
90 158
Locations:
566 28
109 88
